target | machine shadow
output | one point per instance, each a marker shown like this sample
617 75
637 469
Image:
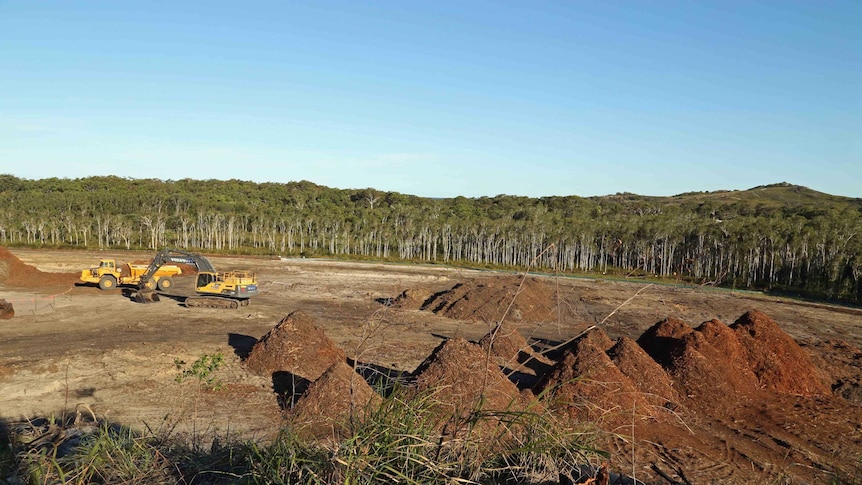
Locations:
288 388
384 380
242 344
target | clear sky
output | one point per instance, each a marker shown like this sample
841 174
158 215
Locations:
438 98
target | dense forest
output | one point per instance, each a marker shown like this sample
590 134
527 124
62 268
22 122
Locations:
778 237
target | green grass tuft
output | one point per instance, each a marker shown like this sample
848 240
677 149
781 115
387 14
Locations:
202 370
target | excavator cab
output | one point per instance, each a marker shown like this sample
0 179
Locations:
206 279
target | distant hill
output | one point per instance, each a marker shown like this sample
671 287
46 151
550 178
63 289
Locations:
762 199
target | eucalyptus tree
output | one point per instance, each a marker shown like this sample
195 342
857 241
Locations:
782 236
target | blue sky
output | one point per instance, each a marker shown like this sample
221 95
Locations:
438 98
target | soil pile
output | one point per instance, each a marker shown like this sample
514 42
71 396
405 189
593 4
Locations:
334 400
6 310
187 269
595 337
491 299
14 273
715 383
586 385
411 299
717 366
509 347
709 364
660 339
645 373
460 379
468 396
778 362
296 345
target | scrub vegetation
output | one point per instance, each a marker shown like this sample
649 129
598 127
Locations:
779 237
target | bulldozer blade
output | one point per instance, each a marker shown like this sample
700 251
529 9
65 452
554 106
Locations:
146 296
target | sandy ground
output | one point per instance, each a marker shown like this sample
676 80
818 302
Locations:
76 348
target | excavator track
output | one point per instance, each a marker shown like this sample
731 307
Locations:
214 302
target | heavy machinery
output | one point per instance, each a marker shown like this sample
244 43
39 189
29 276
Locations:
230 289
109 274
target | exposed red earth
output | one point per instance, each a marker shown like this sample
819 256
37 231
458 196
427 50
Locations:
699 385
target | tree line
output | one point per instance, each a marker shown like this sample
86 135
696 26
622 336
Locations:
779 237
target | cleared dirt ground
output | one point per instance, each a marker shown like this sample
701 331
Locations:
76 348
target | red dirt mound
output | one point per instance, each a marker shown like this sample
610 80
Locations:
708 365
717 367
645 373
661 338
332 401
296 345
462 379
722 347
411 299
586 385
596 337
14 273
711 379
469 395
187 269
491 299
509 347
776 359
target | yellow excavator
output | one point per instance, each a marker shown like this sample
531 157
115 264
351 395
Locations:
229 289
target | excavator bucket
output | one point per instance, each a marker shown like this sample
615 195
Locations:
145 296
6 310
